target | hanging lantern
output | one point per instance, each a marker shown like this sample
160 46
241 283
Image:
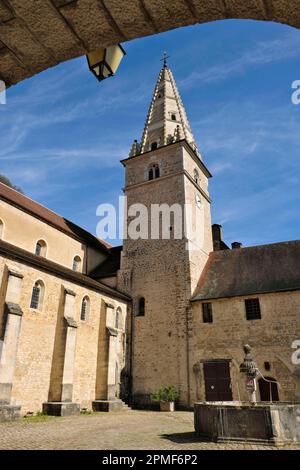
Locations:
104 63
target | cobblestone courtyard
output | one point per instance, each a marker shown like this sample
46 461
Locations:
116 431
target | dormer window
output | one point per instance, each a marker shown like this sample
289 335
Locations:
154 146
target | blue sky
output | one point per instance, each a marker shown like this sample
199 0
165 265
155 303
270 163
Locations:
62 133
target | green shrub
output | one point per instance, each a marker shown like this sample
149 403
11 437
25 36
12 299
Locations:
169 394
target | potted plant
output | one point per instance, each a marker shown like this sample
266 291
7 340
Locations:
166 396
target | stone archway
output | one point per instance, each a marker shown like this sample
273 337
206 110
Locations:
37 34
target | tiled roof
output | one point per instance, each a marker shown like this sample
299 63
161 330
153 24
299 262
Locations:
110 266
252 270
46 215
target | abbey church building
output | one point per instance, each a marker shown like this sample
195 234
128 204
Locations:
85 325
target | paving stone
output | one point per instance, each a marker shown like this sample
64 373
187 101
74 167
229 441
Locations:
103 431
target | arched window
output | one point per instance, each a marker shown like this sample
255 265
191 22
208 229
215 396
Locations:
41 248
154 146
118 322
153 172
196 177
268 389
76 264
173 117
85 309
37 295
1 229
141 307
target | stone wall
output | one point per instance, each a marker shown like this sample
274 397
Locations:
37 34
60 247
41 345
161 272
270 337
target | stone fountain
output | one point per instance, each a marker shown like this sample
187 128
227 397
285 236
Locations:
272 423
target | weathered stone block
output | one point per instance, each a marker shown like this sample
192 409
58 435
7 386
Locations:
106 405
61 409
9 412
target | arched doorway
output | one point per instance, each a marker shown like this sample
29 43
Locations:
268 389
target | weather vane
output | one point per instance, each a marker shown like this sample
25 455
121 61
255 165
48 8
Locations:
164 59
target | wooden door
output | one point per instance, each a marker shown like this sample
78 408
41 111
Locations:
217 381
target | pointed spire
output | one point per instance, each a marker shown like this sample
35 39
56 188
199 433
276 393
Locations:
164 59
135 149
166 120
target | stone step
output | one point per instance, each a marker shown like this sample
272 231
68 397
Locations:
110 405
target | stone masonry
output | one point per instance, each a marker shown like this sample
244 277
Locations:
37 34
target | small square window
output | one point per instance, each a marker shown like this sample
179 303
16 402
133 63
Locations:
252 309
207 313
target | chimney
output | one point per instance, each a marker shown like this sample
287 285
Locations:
217 232
217 237
236 245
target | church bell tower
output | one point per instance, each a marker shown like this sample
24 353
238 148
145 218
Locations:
161 266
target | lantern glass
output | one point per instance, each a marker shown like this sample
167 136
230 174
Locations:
103 63
96 57
114 55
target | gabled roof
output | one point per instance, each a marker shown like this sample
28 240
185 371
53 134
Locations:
35 209
252 270
110 266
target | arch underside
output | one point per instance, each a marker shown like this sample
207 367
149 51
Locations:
37 34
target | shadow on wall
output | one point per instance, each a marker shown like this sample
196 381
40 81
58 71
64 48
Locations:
57 366
102 357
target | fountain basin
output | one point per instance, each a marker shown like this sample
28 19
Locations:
272 423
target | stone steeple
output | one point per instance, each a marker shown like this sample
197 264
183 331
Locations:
166 121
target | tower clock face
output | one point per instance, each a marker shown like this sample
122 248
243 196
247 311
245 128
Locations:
198 201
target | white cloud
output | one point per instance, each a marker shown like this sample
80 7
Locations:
276 50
